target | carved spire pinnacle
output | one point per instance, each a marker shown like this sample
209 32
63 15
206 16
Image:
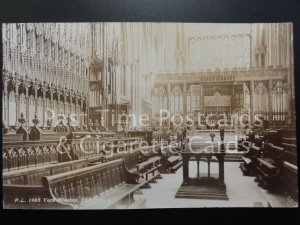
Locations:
22 120
35 120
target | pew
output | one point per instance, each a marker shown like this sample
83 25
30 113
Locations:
144 168
171 160
131 157
248 166
25 186
268 166
101 186
275 164
290 153
150 165
290 179
33 175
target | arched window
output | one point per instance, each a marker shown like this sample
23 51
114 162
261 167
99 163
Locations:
176 106
189 101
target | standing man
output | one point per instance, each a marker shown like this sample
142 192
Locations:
222 132
184 133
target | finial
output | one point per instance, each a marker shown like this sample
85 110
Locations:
22 119
60 117
35 120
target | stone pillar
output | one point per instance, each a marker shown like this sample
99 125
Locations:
232 98
44 108
17 103
5 104
251 91
169 95
27 108
270 93
289 100
184 99
52 102
36 99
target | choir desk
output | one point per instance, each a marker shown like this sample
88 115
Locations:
204 185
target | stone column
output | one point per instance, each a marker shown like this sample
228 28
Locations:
233 98
52 101
27 107
169 96
169 100
270 93
44 106
251 92
5 104
36 99
17 82
184 99
289 88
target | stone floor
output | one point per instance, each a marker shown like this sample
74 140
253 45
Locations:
242 191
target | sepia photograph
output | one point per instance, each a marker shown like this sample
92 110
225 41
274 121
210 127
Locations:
144 115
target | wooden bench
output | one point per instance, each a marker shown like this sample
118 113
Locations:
137 164
248 166
269 165
26 184
131 158
150 165
290 153
33 175
101 186
289 140
171 159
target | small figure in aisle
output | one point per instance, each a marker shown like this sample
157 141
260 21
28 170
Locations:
222 132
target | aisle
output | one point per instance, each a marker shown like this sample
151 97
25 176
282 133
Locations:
242 190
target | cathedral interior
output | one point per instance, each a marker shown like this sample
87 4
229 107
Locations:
103 115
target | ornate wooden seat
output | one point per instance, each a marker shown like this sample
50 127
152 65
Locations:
248 166
100 186
171 159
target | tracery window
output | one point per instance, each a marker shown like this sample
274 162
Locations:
176 102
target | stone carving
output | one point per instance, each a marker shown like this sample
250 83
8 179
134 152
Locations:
22 129
35 132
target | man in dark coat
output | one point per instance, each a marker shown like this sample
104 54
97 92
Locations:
222 132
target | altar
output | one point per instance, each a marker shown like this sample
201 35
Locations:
208 186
